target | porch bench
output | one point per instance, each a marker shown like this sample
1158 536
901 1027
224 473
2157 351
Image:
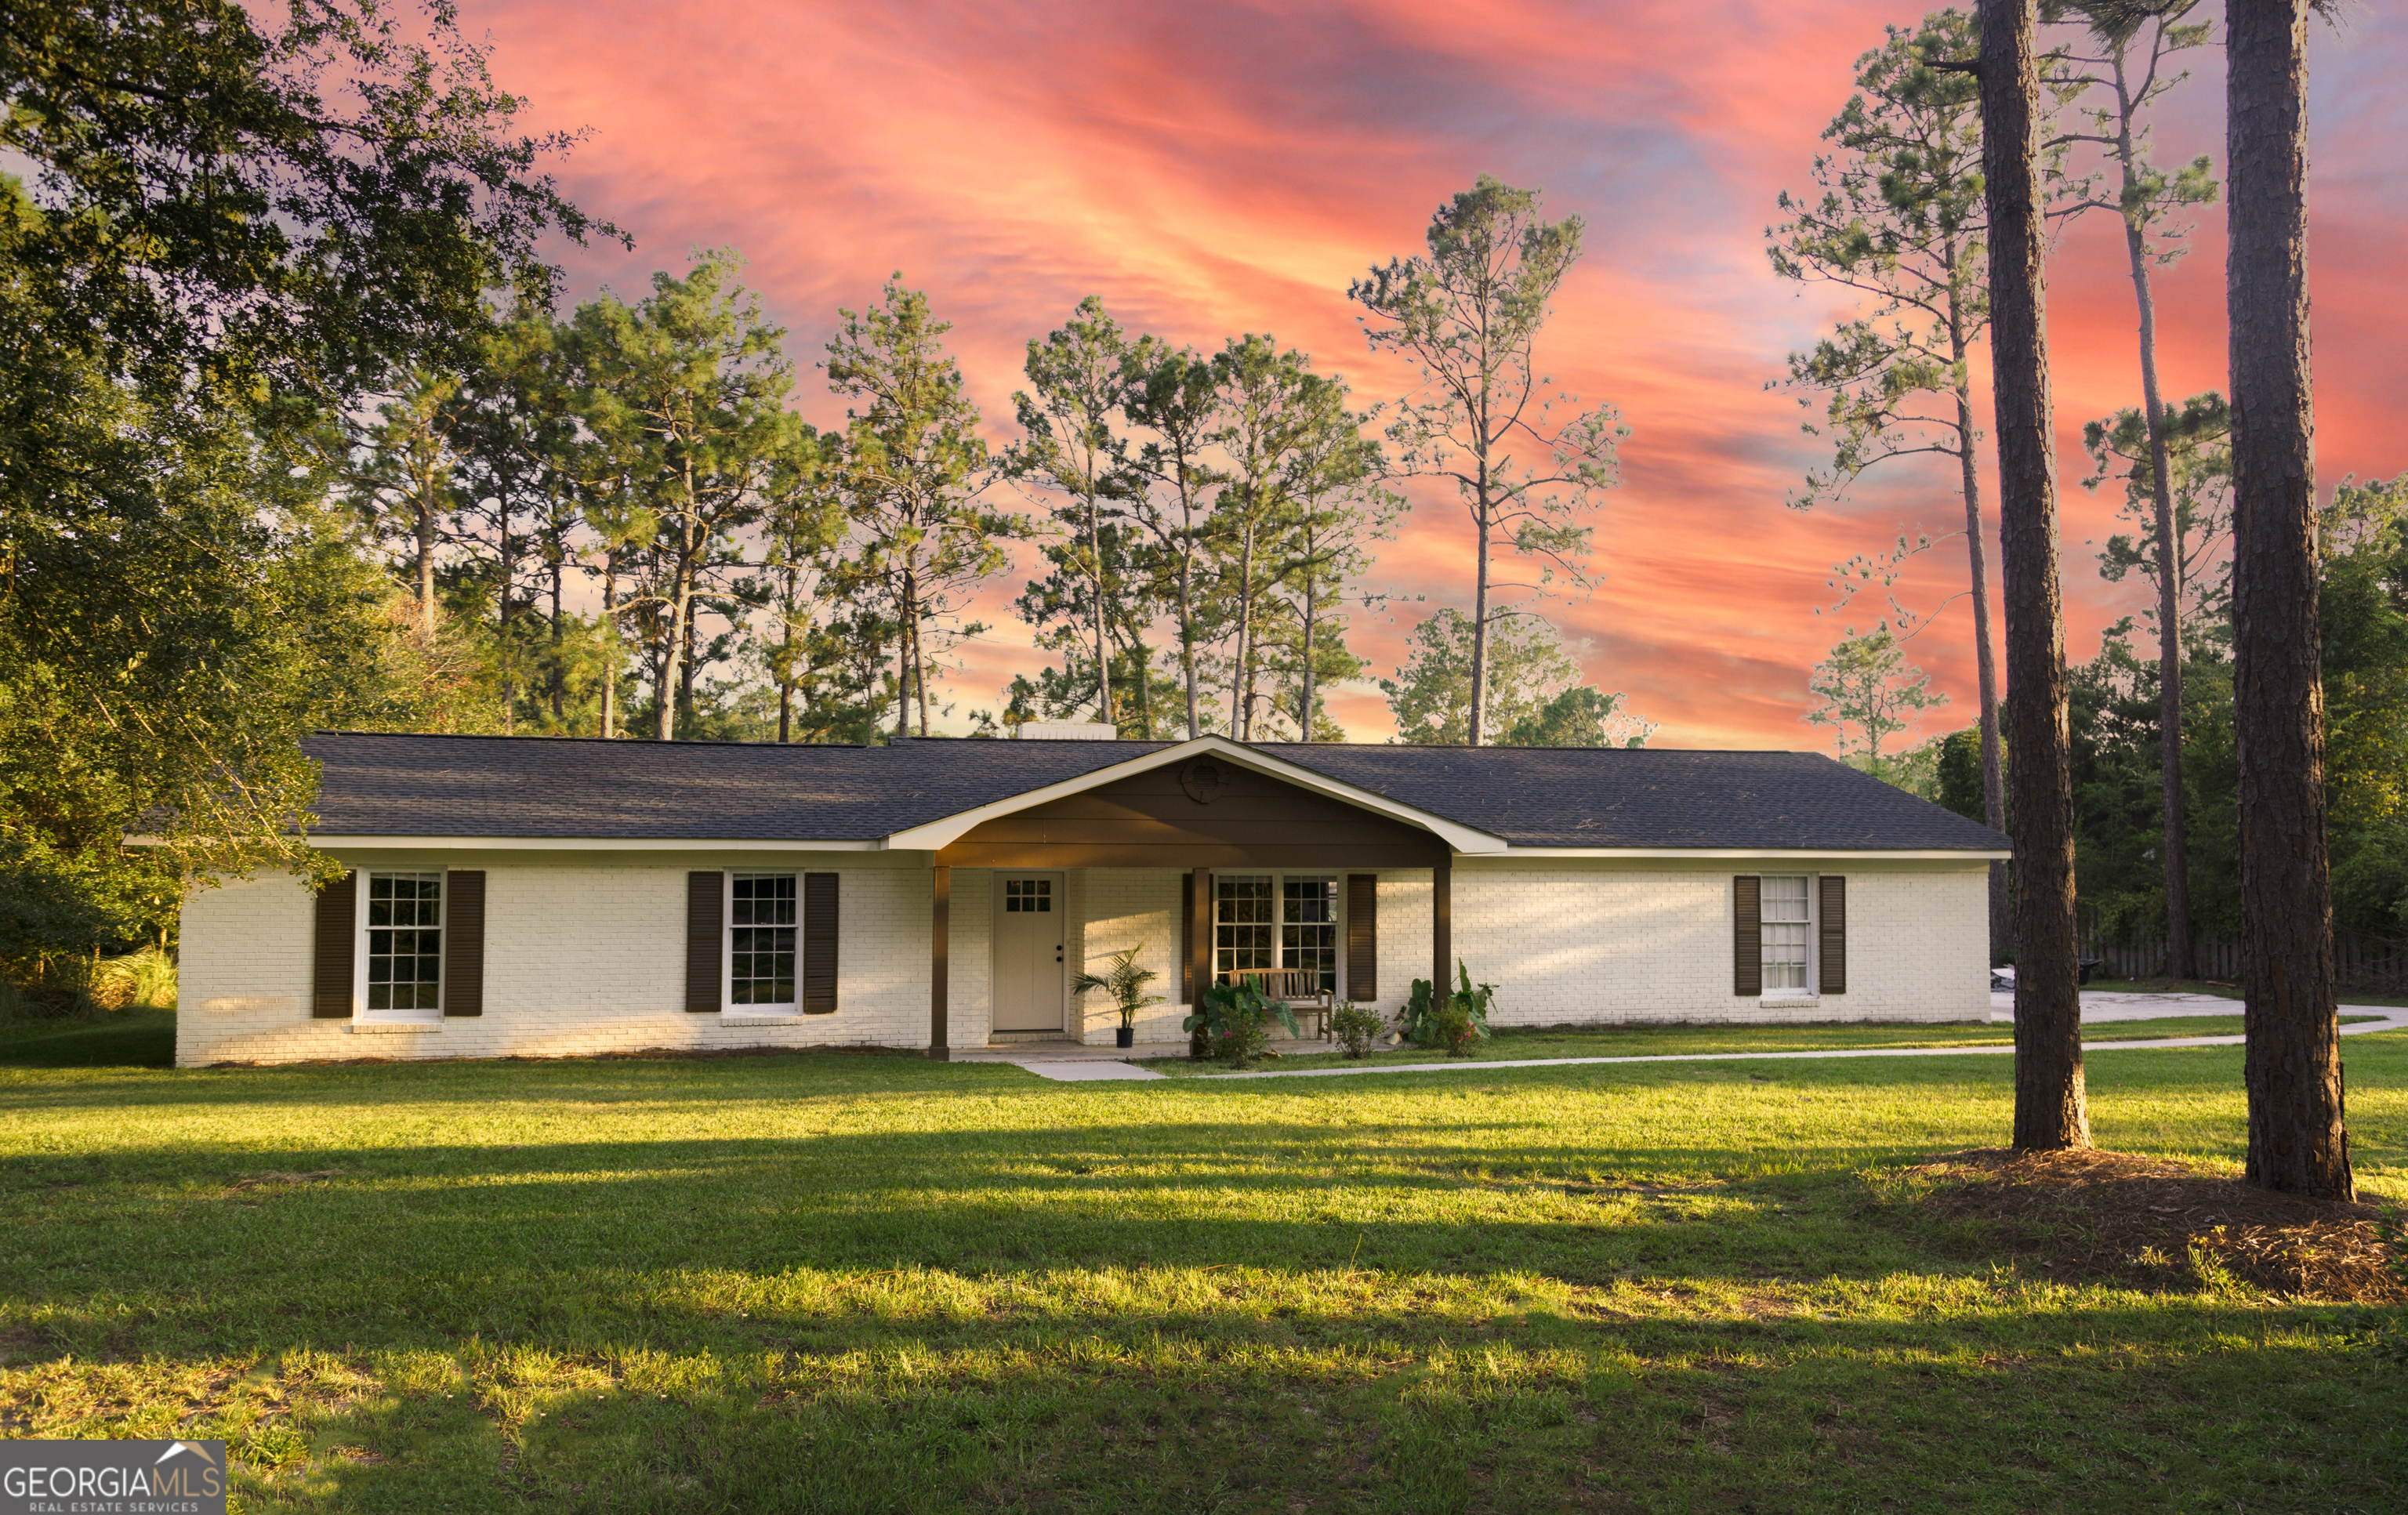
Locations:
1298 988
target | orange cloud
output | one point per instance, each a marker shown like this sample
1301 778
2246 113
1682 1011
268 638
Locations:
1217 169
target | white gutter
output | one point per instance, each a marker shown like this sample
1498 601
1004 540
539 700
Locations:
1912 854
598 844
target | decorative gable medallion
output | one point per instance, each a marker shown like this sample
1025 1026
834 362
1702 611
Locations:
1204 780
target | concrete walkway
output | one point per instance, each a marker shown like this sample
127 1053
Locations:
1067 1062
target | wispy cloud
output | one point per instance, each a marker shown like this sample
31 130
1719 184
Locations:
1222 168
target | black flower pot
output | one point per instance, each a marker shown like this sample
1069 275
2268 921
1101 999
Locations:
1124 1036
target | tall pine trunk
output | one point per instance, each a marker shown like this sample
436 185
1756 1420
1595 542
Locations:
1103 649
905 646
611 643
2174 844
1187 651
2298 1139
1241 677
1986 664
559 679
2051 1107
685 667
1480 613
1304 722
424 554
666 686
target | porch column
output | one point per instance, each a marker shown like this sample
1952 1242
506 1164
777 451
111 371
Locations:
1199 934
940 941
1442 927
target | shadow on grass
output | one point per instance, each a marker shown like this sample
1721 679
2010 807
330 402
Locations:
118 1039
1807 1416
730 1242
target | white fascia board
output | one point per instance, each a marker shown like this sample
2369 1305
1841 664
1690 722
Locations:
596 844
932 835
1782 853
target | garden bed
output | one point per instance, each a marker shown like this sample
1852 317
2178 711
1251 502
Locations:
2122 1217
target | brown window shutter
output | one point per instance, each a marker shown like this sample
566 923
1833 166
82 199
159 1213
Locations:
464 941
1362 936
1747 936
1831 971
331 959
705 902
1186 938
819 943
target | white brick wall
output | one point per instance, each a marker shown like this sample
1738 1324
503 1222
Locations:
1121 909
585 953
1581 943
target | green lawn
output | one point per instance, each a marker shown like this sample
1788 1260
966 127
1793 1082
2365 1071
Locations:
821 1283
1689 1041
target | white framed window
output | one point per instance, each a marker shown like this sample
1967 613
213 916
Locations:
401 963
1277 920
1029 897
763 914
1788 928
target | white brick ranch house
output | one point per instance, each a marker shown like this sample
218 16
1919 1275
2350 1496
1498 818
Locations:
546 895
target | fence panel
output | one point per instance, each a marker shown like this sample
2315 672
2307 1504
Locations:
2366 964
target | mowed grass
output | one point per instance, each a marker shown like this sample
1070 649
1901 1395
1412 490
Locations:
1719 1040
830 1282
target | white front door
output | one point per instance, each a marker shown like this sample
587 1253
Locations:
1029 942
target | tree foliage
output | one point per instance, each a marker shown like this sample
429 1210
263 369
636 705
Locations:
1467 316
1534 684
1869 693
234 227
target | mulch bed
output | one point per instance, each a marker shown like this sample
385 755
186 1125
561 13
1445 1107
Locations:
2084 1216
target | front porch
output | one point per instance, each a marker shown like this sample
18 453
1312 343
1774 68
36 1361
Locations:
1008 943
1212 859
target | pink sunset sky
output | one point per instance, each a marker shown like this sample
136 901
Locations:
1218 168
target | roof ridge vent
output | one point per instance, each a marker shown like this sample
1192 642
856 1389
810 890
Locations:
1067 731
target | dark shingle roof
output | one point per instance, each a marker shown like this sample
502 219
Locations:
554 786
550 786
1657 797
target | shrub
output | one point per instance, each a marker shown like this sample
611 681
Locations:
138 981
1354 1027
1422 1015
74 985
1454 1029
1235 1021
1242 1035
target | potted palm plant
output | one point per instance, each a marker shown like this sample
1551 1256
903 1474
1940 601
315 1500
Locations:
1125 983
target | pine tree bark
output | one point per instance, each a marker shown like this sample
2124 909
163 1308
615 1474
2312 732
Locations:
610 658
1986 664
1304 722
2051 1105
1476 726
2299 1142
2174 846
1103 652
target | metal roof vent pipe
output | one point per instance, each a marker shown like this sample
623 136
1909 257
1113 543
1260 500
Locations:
1067 731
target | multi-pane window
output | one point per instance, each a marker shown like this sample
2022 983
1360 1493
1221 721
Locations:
405 942
761 938
1275 922
1245 924
1027 896
1784 932
1309 928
